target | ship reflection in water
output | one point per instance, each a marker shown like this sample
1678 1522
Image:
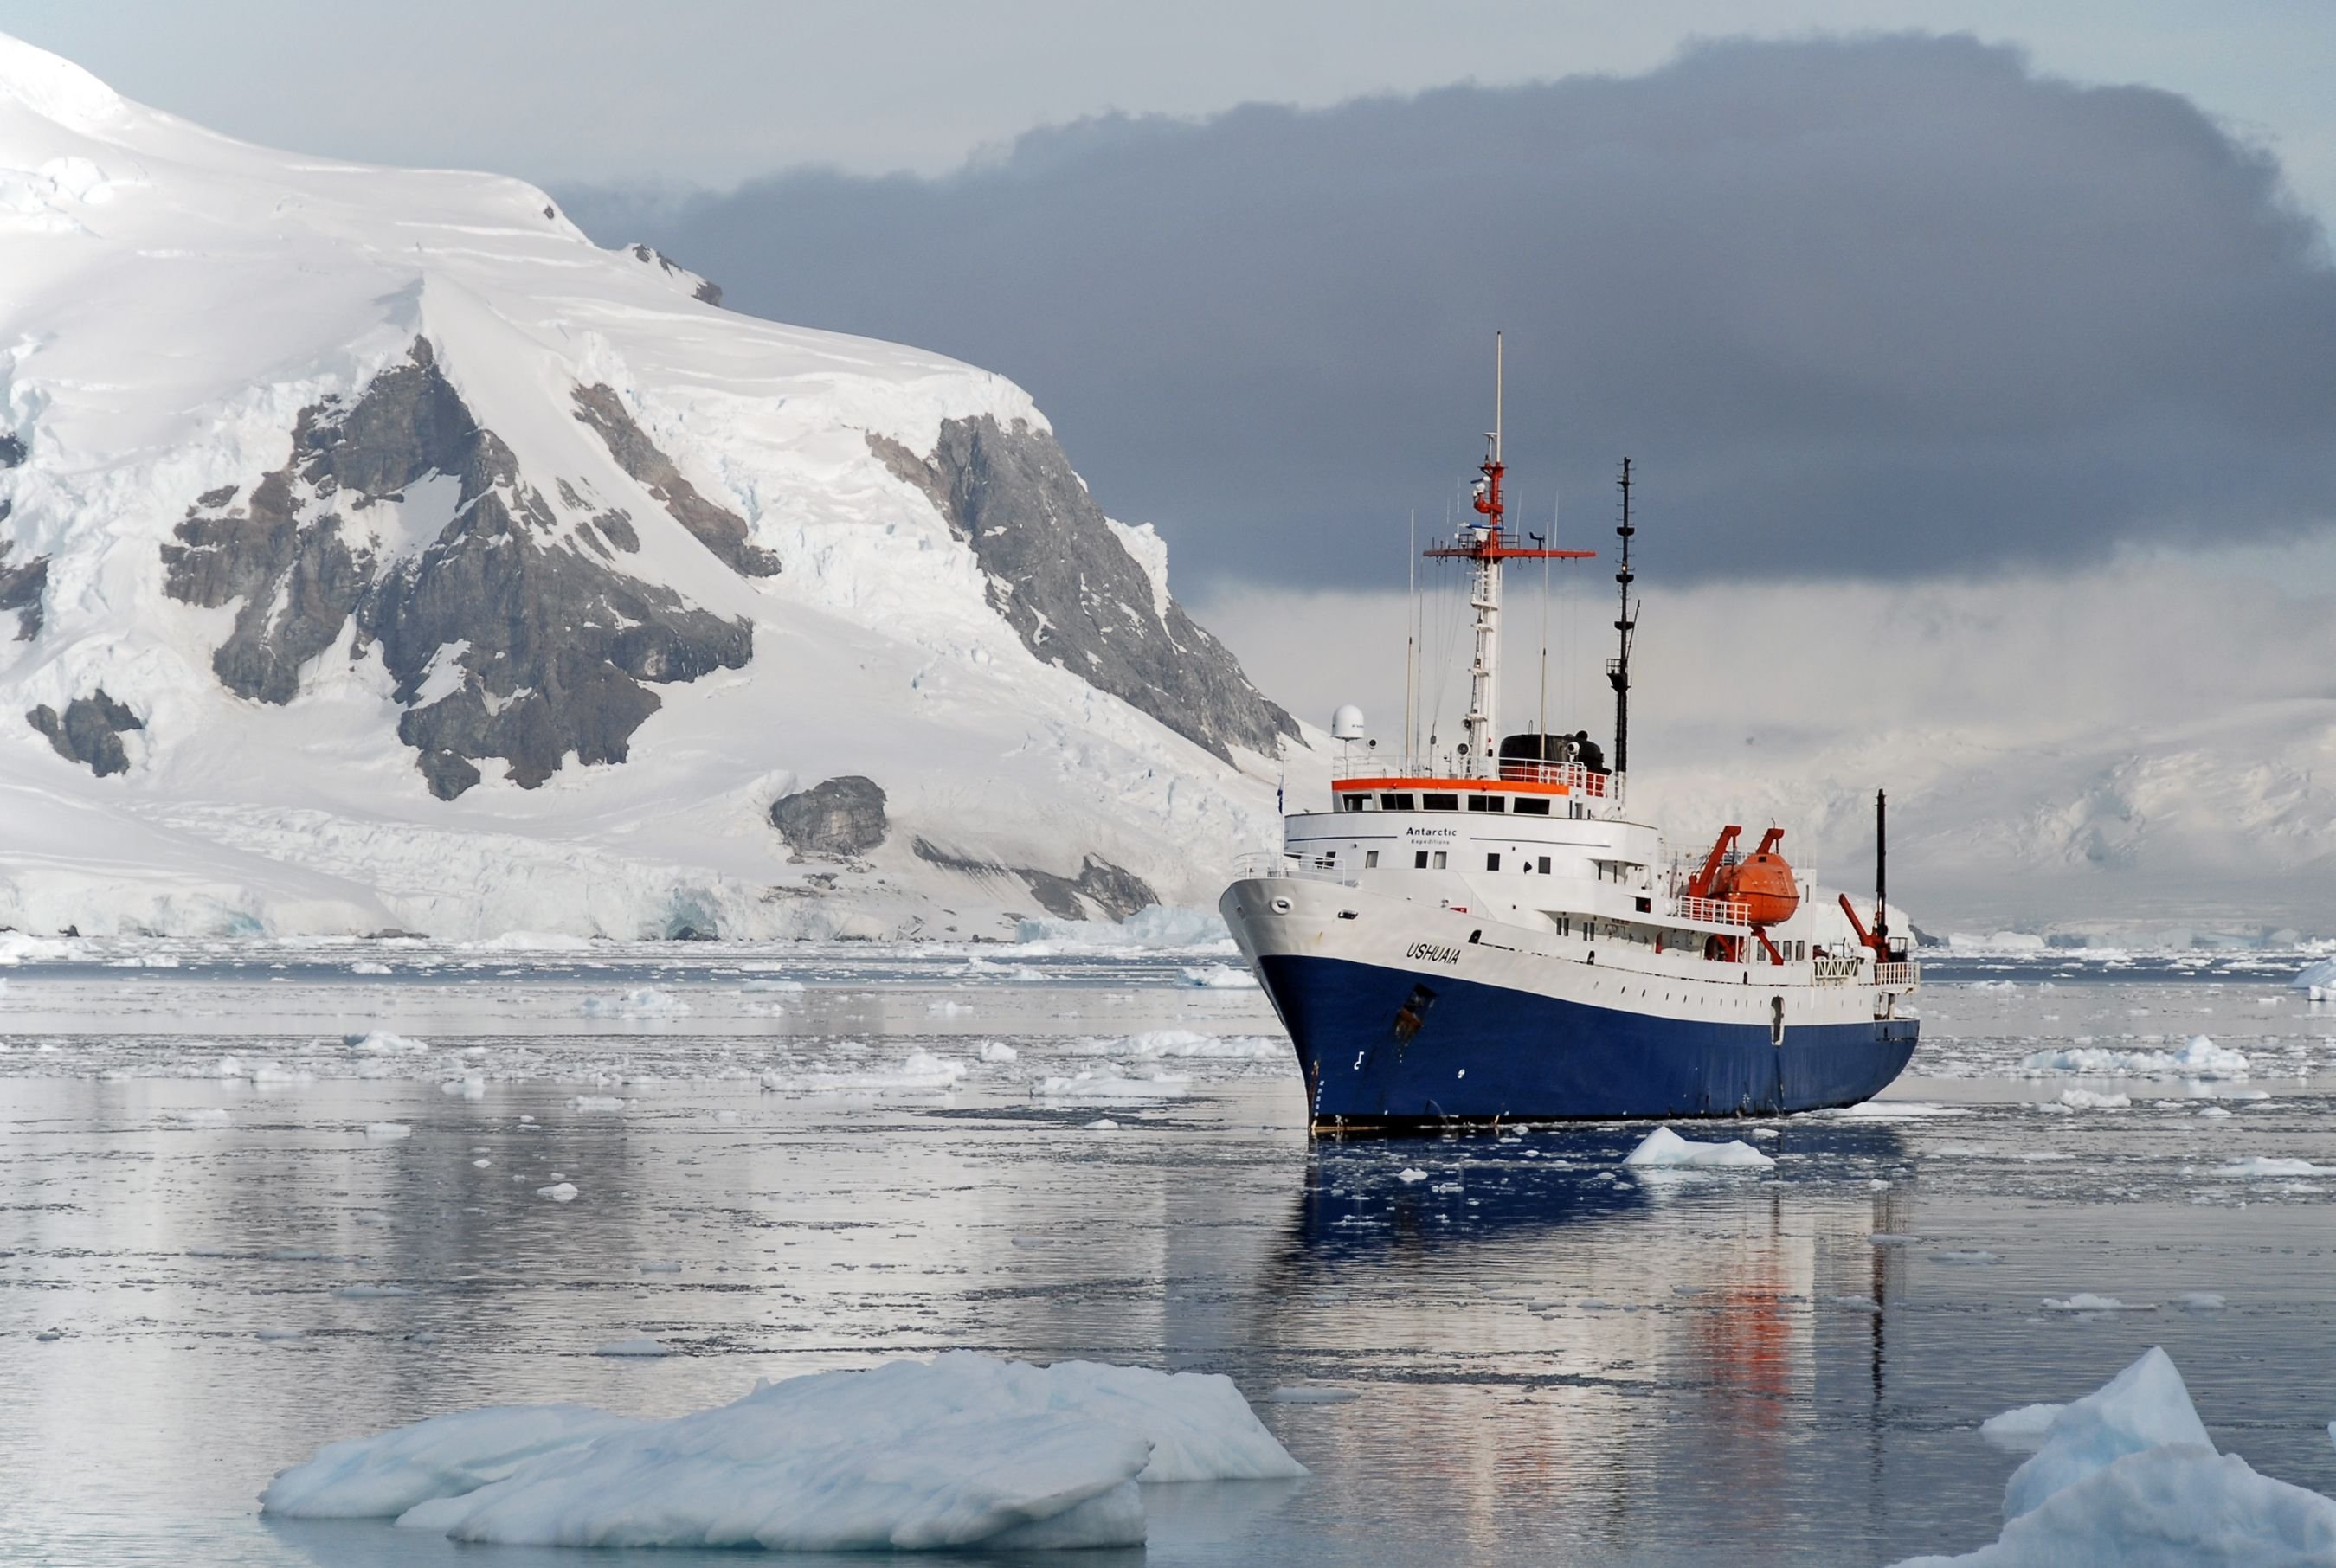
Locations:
1544 1335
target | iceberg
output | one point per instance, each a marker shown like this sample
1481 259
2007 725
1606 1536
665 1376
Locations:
2127 1475
965 1450
1665 1150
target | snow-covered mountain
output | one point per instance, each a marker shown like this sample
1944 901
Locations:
378 553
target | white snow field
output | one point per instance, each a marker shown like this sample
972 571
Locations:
965 1450
2127 1475
174 299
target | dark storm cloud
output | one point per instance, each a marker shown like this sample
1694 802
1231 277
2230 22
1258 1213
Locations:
1881 306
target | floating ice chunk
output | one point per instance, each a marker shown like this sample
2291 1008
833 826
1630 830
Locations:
962 1451
2143 1406
726 1118
1971 1259
1157 1043
641 1002
997 1051
1411 1174
1309 1395
370 1292
482 1163
2022 1430
1221 978
2270 1165
367 967
946 1007
1664 1149
640 1345
2127 1475
1892 1239
2214 1111
2200 1302
921 1072
387 1130
2086 1302
661 1266
277 1333
2321 975
596 1103
204 1116
446 1456
1111 1087
1856 1304
1102 1124
527 942
468 1089
2201 1059
382 1042
2087 1100
560 1192
784 988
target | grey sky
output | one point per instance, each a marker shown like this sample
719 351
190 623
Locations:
1953 316
712 91
1870 307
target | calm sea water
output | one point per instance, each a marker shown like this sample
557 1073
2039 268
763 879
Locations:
1556 1361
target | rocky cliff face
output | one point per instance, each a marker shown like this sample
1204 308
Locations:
507 638
1063 579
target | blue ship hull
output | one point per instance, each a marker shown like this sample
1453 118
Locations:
1473 1052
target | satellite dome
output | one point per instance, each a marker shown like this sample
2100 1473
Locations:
1347 724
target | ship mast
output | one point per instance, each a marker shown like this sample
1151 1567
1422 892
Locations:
1618 669
1484 544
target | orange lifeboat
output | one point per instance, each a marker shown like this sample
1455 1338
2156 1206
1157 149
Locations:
1761 882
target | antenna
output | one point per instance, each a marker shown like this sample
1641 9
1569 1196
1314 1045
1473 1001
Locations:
1881 876
1411 646
1618 669
1497 385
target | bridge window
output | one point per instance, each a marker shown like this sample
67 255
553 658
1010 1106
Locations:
1482 803
1440 802
1532 806
1492 862
1353 803
1419 860
1395 802
1370 860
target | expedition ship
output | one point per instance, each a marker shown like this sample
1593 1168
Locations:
1489 934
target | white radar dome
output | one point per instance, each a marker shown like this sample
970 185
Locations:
1347 724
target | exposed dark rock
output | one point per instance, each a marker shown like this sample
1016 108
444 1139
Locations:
554 645
706 290
89 731
840 819
719 529
12 451
1114 891
1063 581
21 585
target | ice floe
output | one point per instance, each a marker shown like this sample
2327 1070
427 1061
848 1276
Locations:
2127 1475
2271 1165
966 1450
639 1345
641 1002
1663 1149
2200 1058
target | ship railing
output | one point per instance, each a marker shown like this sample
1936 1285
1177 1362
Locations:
1588 782
1902 977
1833 971
1711 911
1250 867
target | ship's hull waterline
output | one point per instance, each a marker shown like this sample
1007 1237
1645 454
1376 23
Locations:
1415 1026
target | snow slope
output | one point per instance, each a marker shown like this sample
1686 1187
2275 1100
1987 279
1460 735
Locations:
265 649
